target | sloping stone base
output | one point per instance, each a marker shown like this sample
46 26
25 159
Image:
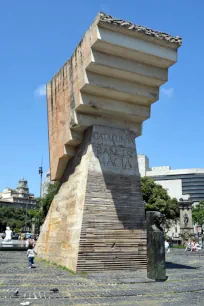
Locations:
97 220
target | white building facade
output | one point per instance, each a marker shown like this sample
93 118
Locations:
179 183
19 197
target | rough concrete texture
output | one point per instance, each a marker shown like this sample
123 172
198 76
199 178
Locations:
141 29
112 79
185 285
96 221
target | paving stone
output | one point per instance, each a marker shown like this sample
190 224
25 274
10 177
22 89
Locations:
185 284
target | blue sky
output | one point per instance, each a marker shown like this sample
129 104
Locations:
37 37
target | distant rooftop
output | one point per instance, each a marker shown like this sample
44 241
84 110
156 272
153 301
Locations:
140 29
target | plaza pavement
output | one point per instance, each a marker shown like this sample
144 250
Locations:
185 284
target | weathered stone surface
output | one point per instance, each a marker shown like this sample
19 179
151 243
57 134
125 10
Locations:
97 103
155 247
141 29
112 79
96 221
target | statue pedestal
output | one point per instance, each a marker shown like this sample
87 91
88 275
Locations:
7 243
156 267
186 224
97 221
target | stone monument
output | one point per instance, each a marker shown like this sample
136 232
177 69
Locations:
156 268
8 239
186 223
96 105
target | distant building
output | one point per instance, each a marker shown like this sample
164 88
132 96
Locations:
19 197
179 183
45 184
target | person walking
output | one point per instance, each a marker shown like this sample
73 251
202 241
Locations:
167 246
31 255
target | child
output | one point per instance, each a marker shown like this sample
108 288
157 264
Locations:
31 255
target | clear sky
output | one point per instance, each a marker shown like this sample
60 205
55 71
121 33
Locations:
38 36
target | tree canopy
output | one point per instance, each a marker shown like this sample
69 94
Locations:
156 198
13 217
17 217
198 213
46 201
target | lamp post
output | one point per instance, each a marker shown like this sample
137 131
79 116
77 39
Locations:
41 173
33 226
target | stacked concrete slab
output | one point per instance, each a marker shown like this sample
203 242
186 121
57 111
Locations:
96 105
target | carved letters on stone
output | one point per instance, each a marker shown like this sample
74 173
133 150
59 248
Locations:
114 150
116 139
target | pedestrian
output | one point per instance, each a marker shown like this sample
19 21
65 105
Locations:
167 246
31 255
189 246
194 246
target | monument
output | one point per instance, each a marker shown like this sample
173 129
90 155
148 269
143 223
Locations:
186 223
156 266
96 105
7 241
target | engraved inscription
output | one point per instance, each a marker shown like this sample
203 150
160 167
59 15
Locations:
115 156
115 139
115 148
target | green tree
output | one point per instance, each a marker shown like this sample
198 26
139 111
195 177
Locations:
43 204
198 213
13 217
16 217
156 198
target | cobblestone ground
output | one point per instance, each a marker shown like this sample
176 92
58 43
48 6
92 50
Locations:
185 284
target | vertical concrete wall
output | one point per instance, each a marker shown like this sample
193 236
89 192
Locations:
143 164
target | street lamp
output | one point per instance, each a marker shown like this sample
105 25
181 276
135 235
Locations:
41 173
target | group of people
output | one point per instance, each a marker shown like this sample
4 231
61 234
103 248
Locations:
191 246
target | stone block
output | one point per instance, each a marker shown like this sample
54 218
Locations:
106 227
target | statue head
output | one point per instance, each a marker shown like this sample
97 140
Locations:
8 228
155 220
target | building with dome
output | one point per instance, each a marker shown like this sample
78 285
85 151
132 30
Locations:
19 197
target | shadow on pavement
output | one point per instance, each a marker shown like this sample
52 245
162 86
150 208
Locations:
171 265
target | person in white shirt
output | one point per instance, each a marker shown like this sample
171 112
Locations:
167 246
31 255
